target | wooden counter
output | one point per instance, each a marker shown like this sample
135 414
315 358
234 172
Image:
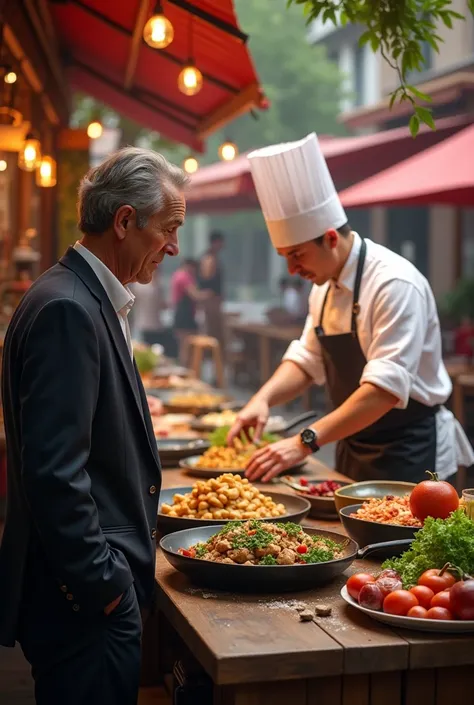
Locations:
257 652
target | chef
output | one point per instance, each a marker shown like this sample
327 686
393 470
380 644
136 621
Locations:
372 337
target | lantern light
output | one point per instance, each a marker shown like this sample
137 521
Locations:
190 165
94 129
190 79
46 173
29 157
10 77
228 151
3 165
158 32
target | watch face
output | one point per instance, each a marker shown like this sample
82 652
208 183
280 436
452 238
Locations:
308 436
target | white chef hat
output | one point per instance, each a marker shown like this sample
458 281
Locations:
296 191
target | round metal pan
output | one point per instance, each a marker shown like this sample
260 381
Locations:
296 510
189 464
370 532
258 578
173 450
285 430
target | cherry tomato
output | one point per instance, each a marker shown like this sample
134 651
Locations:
423 594
442 599
389 573
462 599
371 596
302 549
388 585
356 582
419 612
188 553
435 581
303 482
439 613
399 602
433 498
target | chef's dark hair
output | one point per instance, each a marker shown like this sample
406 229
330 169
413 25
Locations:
344 231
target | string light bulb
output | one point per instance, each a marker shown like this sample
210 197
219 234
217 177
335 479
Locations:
190 165
3 165
10 77
29 157
46 173
190 79
228 151
94 129
158 32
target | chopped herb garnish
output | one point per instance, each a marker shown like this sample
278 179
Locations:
317 555
201 549
290 528
268 560
231 526
259 538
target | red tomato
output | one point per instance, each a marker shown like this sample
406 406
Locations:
388 585
188 553
389 573
439 613
433 498
356 582
462 599
432 579
442 599
302 548
423 594
418 611
399 602
371 596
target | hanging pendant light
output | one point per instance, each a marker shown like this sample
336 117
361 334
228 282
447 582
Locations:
10 76
29 157
3 165
158 32
190 78
8 90
94 129
190 165
46 173
228 151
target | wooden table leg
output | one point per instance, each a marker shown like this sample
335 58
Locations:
458 402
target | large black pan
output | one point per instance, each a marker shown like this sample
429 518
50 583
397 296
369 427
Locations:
297 509
259 578
202 427
371 532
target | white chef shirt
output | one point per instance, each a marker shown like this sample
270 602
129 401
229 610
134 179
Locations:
120 296
399 333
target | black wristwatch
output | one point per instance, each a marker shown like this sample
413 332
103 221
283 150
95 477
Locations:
309 438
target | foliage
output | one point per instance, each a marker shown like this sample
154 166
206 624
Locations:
459 303
398 29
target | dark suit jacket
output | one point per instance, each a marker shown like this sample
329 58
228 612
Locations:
83 469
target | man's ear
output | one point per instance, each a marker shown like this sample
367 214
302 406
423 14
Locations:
122 219
331 237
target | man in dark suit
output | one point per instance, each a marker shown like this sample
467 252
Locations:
78 552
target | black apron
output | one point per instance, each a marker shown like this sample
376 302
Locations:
399 446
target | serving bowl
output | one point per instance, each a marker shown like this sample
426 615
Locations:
366 533
358 492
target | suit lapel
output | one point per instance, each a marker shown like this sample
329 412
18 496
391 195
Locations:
146 415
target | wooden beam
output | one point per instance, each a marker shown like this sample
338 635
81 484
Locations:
142 15
246 100
226 27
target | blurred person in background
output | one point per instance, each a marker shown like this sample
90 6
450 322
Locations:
464 339
211 279
147 310
185 296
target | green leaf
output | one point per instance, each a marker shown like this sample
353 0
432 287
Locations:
414 125
344 19
421 96
393 98
366 37
446 19
425 115
374 43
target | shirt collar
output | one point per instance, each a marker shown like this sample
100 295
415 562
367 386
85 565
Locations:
348 274
120 296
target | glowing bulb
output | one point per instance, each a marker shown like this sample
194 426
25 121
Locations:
228 151
158 32
3 165
190 80
94 130
10 77
46 173
29 157
190 165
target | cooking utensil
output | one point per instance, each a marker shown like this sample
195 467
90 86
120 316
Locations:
259 578
321 507
172 450
370 532
296 510
362 491
291 425
189 464
422 625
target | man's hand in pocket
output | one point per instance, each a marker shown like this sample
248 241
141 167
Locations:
112 605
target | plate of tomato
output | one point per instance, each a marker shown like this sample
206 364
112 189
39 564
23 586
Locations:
440 602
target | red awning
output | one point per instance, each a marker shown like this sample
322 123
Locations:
109 60
227 186
443 174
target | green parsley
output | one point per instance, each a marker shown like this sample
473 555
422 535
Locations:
440 541
317 555
291 529
201 549
268 560
259 539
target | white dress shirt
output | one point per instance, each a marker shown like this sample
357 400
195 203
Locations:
120 296
399 333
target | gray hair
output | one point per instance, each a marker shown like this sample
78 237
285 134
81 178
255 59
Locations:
132 176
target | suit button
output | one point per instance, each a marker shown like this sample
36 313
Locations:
76 608
153 533
69 596
152 489
64 588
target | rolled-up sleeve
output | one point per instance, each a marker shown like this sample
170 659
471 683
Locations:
394 353
306 352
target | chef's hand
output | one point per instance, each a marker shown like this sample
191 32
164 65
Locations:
276 458
254 415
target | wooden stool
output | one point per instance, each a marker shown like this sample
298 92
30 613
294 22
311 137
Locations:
196 346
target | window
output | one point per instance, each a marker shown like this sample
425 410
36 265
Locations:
359 75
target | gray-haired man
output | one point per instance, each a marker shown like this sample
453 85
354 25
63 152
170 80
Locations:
78 551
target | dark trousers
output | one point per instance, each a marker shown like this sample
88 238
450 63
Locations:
78 658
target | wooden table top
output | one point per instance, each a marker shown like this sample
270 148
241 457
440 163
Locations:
285 333
255 638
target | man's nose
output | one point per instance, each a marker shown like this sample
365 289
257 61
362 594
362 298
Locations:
292 268
172 248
